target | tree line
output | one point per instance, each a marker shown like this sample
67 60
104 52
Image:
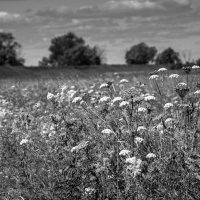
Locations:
71 50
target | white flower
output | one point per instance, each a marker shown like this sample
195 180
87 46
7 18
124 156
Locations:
90 91
80 146
149 98
76 99
168 106
197 92
104 85
195 67
182 85
138 139
159 127
104 99
50 96
174 76
124 81
106 131
142 110
162 69
150 155
71 93
131 160
124 152
24 141
154 77
116 99
123 104
141 129
64 88
168 121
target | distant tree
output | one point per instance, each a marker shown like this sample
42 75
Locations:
168 56
140 54
198 62
44 62
71 50
9 50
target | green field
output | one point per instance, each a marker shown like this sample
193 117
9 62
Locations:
107 133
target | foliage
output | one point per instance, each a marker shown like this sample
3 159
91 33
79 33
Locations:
198 62
168 56
9 50
102 139
140 54
71 50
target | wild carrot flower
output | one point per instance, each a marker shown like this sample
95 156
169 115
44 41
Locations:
134 166
149 98
24 141
154 77
116 99
168 106
168 121
104 85
138 140
150 155
124 152
124 81
77 100
159 127
142 110
124 104
107 131
174 76
141 129
197 92
50 96
162 69
195 67
104 99
82 145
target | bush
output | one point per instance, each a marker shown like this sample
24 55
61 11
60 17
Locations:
140 54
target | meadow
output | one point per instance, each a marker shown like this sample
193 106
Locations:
107 136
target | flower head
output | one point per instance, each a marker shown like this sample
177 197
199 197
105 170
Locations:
168 106
124 152
107 131
138 140
104 99
174 76
154 77
162 69
104 85
124 81
150 155
124 104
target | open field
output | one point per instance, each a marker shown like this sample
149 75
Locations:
99 134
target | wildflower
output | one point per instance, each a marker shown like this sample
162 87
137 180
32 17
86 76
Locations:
150 155
142 110
195 67
134 165
124 81
138 140
149 98
182 89
159 127
197 92
90 91
124 152
89 190
174 76
82 145
168 121
162 69
104 99
64 88
141 129
117 99
71 93
104 85
24 141
77 100
124 103
154 77
168 106
50 96
106 131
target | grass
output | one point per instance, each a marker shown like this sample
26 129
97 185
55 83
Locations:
98 134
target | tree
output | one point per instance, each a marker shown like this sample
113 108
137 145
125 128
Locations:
140 54
9 50
168 56
198 62
71 50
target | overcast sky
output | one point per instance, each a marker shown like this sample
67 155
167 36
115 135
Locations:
114 25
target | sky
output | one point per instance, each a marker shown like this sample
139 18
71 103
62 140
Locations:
113 25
